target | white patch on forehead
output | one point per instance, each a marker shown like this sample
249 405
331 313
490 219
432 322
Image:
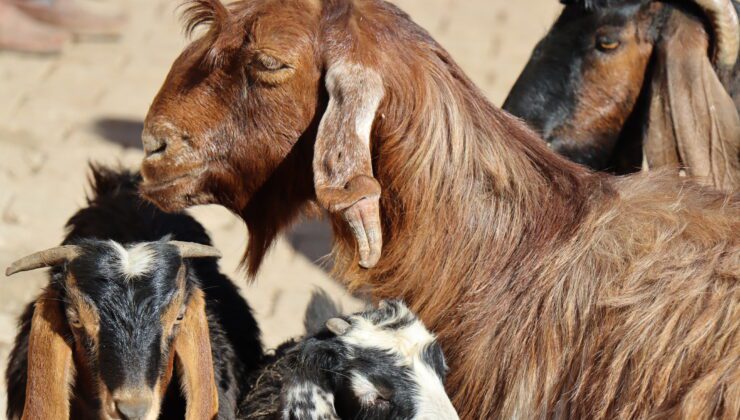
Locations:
134 261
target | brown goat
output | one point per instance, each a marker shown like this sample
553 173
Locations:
556 292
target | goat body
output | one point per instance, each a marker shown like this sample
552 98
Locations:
554 291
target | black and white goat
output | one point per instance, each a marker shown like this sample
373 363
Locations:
136 321
378 364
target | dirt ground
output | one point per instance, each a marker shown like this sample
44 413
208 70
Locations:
56 114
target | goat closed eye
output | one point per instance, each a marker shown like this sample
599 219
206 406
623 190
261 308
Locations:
266 62
180 316
269 69
74 320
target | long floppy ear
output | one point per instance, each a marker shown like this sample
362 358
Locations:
50 368
342 166
692 120
193 349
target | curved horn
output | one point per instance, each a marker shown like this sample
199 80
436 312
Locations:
338 326
195 250
45 258
726 29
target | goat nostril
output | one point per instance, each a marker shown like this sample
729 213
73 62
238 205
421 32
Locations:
161 148
153 144
133 409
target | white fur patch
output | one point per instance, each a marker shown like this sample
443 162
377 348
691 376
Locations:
364 390
134 261
308 401
432 401
408 342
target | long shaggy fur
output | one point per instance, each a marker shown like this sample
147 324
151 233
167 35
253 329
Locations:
554 291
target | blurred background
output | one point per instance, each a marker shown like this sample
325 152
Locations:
76 79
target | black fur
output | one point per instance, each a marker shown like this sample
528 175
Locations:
601 4
320 309
115 212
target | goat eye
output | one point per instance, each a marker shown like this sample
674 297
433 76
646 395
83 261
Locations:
607 43
180 316
75 321
268 63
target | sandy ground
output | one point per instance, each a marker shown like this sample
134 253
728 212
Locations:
56 114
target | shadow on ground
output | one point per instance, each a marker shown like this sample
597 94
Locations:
121 131
312 239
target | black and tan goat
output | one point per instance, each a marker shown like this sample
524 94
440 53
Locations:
378 364
124 310
616 82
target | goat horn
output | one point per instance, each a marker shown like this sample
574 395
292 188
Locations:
338 326
45 258
195 250
723 17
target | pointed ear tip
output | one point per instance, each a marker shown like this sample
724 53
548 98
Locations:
10 271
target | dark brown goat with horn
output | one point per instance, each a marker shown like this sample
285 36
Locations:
554 291
616 83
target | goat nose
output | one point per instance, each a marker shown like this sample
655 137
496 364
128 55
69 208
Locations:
152 143
134 408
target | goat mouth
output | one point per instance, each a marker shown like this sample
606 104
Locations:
173 193
150 185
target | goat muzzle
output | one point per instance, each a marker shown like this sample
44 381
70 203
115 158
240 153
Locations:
135 408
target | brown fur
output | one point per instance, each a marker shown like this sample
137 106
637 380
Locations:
555 292
193 349
692 119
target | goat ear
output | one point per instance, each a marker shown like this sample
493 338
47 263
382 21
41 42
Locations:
193 349
692 120
50 369
342 166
